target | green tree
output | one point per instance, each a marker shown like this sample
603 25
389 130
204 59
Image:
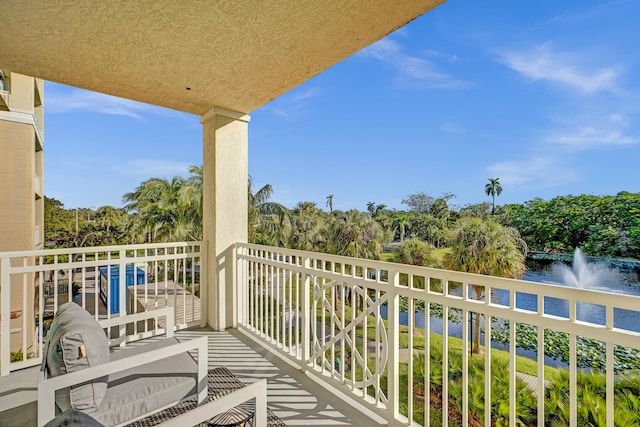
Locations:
419 202
354 234
416 252
493 189
111 225
401 224
429 228
308 225
266 219
190 201
157 212
330 203
485 247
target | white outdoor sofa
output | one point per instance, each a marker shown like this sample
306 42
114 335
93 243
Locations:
81 371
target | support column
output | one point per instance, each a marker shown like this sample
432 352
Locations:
225 172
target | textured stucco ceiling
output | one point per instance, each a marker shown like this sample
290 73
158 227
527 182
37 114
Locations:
235 54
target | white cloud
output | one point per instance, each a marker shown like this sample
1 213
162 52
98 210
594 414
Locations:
594 132
562 68
62 99
591 136
537 172
413 71
152 168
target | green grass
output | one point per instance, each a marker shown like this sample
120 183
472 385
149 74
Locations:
523 364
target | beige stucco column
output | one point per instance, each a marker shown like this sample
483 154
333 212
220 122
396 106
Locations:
225 173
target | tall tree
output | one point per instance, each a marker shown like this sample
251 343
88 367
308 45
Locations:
371 208
485 247
401 224
266 219
493 189
330 203
419 202
354 234
308 228
159 214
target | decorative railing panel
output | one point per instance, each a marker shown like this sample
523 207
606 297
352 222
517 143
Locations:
402 338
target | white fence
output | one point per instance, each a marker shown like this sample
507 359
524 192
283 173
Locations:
345 320
107 281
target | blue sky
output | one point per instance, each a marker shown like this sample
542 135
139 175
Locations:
542 94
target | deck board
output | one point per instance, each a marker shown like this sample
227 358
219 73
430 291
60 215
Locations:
292 395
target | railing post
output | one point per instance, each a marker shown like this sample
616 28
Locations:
204 284
122 289
235 294
394 330
5 319
306 315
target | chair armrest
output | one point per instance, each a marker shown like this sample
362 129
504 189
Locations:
47 387
257 391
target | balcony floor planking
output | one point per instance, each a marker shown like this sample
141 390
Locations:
292 395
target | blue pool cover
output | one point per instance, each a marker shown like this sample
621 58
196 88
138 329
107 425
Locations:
114 283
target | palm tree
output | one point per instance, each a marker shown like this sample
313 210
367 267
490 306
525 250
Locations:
485 247
308 225
415 252
371 208
493 189
190 201
158 211
111 223
401 223
330 202
266 220
354 234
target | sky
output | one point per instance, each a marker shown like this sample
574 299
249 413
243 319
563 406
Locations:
542 94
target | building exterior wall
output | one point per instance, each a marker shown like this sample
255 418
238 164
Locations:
21 186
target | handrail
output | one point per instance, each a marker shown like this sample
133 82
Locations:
311 308
109 281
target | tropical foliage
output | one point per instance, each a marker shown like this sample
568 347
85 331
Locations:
485 247
416 252
599 225
266 219
493 189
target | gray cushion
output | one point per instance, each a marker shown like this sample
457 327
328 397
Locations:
76 341
144 389
73 418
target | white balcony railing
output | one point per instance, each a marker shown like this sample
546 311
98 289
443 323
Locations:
107 281
345 321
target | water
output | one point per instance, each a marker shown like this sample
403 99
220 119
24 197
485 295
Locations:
582 274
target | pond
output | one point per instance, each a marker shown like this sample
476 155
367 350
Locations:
583 273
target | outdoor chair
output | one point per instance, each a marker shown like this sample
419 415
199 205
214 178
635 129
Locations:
80 370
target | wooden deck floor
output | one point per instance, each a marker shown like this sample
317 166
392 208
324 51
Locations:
292 395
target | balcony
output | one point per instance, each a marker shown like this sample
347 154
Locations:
305 319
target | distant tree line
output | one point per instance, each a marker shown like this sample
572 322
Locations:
600 225
160 210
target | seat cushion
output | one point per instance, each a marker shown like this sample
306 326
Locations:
144 389
76 342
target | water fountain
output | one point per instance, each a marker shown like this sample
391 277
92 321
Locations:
589 275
